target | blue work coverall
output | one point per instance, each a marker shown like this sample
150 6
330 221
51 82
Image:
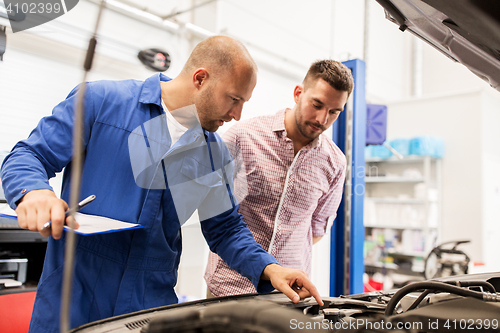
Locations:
122 272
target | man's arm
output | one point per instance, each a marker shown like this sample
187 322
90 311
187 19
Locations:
328 204
27 169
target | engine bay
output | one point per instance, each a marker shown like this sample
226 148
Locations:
454 304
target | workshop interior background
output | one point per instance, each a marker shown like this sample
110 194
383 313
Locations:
426 94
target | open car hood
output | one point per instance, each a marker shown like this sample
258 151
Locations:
467 31
447 305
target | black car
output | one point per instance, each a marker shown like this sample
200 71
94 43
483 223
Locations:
453 304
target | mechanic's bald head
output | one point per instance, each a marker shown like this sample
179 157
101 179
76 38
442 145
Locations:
219 55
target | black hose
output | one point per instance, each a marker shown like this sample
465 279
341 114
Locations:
431 285
484 284
419 299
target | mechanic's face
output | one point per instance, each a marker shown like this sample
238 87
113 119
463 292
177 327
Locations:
221 100
317 108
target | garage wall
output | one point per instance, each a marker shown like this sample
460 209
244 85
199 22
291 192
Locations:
295 30
442 75
490 173
388 59
31 84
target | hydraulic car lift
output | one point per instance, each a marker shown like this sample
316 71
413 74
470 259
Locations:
347 233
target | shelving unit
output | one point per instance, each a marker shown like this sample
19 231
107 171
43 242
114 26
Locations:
401 213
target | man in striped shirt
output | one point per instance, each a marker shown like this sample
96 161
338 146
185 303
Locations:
289 176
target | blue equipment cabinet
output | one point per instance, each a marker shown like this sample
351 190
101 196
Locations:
347 232
376 124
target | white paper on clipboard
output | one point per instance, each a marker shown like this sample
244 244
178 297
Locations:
93 224
6 211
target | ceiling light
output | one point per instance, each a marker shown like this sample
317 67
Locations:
134 10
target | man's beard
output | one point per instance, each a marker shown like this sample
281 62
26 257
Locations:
206 108
303 126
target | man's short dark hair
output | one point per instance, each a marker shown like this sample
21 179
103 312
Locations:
335 73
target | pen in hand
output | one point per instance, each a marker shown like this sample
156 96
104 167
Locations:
73 210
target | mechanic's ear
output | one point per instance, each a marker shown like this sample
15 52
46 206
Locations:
200 76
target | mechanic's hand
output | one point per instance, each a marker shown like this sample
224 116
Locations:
40 206
293 283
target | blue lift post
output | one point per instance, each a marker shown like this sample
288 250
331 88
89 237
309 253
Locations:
348 233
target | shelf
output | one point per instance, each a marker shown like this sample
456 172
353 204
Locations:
406 254
383 265
404 203
402 227
394 267
397 200
413 158
393 180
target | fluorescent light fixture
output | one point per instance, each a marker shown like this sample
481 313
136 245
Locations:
138 13
134 11
171 25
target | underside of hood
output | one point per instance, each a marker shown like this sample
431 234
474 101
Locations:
467 31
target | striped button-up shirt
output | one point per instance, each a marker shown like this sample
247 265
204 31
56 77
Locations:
285 198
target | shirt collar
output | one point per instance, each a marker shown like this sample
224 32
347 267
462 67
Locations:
279 121
151 94
151 89
316 142
279 128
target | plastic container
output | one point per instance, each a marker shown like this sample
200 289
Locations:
427 146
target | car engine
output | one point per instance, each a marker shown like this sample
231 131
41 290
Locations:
454 304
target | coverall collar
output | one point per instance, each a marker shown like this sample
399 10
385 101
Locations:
151 91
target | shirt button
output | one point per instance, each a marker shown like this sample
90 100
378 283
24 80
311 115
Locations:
23 191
